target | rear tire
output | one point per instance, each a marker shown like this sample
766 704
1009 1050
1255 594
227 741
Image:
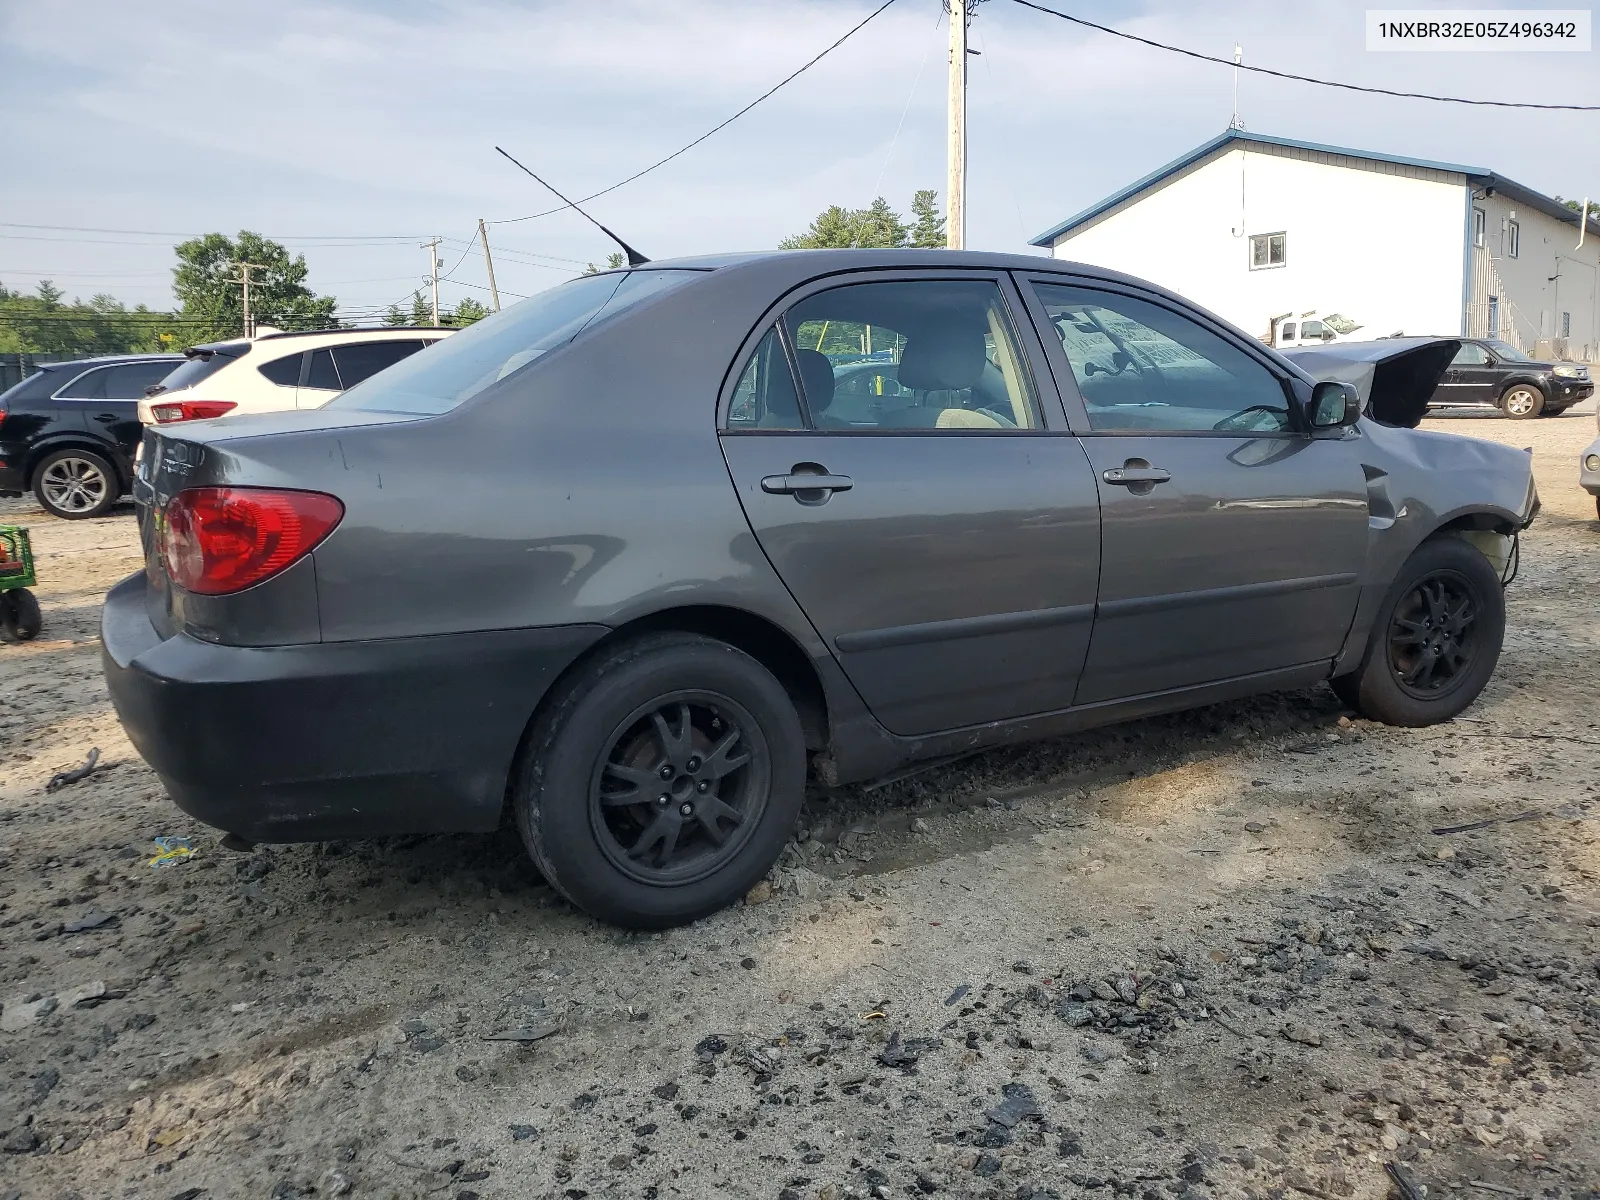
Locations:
711 747
1436 639
20 618
1521 401
75 484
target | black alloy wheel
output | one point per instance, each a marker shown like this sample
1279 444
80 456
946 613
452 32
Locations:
1433 635
1435 640
681 785
661 779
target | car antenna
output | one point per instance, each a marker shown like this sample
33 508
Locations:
635 259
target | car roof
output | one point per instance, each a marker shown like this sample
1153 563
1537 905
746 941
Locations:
106 360
236 347
812 263
835 260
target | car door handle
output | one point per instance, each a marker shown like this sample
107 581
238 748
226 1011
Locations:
1130 476
788 485
106 418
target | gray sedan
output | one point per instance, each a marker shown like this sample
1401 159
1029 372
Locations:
618 562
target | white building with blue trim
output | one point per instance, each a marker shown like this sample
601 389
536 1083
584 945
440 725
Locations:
1261 229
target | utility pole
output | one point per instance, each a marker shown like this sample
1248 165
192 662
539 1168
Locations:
244 282
433 273
494 292
956 180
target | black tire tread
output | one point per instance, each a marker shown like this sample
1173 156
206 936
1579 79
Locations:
554 718
1370 689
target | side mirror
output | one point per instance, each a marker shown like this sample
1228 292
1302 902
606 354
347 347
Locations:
1334 405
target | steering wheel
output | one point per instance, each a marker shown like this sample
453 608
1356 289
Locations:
1239 419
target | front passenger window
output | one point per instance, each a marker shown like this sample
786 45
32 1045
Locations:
1141 367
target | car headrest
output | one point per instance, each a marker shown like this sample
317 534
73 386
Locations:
816 377
945 360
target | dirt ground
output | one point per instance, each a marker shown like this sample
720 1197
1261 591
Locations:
1234 953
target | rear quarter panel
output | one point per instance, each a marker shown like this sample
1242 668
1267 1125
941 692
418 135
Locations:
589 488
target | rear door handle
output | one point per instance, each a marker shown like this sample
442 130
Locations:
788 485
1129 476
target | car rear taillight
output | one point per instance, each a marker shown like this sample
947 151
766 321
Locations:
218 540
190 410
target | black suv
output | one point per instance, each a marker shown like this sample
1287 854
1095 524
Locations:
69 432
1489 373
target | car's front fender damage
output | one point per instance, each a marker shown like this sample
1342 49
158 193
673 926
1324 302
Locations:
1421 484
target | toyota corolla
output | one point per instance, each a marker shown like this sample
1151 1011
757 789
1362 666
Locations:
624 561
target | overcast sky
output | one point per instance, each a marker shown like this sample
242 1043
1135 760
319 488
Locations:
329 124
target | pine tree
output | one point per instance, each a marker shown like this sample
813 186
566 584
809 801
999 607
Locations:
928 232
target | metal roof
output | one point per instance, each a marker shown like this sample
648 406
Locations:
1479 176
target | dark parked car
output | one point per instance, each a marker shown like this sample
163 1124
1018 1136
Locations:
610 561
69 431
1488 373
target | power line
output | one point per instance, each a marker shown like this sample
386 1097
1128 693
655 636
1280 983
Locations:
715 129
1349 87
309 237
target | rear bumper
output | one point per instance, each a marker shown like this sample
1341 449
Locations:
337 739
12 478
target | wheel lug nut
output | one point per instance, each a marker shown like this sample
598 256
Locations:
693 764
704 786
663 799
686 810
666 772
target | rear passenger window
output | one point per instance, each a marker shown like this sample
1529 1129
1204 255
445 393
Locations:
1142 367
285 372
765 397
129 381
322 373
919 354
91 385
365 359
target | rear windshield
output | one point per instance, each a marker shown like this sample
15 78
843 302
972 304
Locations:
463 365
202 366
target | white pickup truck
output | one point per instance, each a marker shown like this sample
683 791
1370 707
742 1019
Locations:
1310 329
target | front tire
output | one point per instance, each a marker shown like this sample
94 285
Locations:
662 781
1436 639
1521 401
75 484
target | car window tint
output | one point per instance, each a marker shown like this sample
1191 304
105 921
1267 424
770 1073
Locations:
91 385
498 346
322 373
1470 355
285 372
1313 329
765 397
1143 367
363 360
914 354
129 381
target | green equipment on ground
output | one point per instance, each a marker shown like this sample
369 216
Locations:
20 618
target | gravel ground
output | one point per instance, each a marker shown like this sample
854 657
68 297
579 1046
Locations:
1242 952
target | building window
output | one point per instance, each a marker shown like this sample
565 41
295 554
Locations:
1266 250
1494 316
1513 238
1566 324
1477 227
